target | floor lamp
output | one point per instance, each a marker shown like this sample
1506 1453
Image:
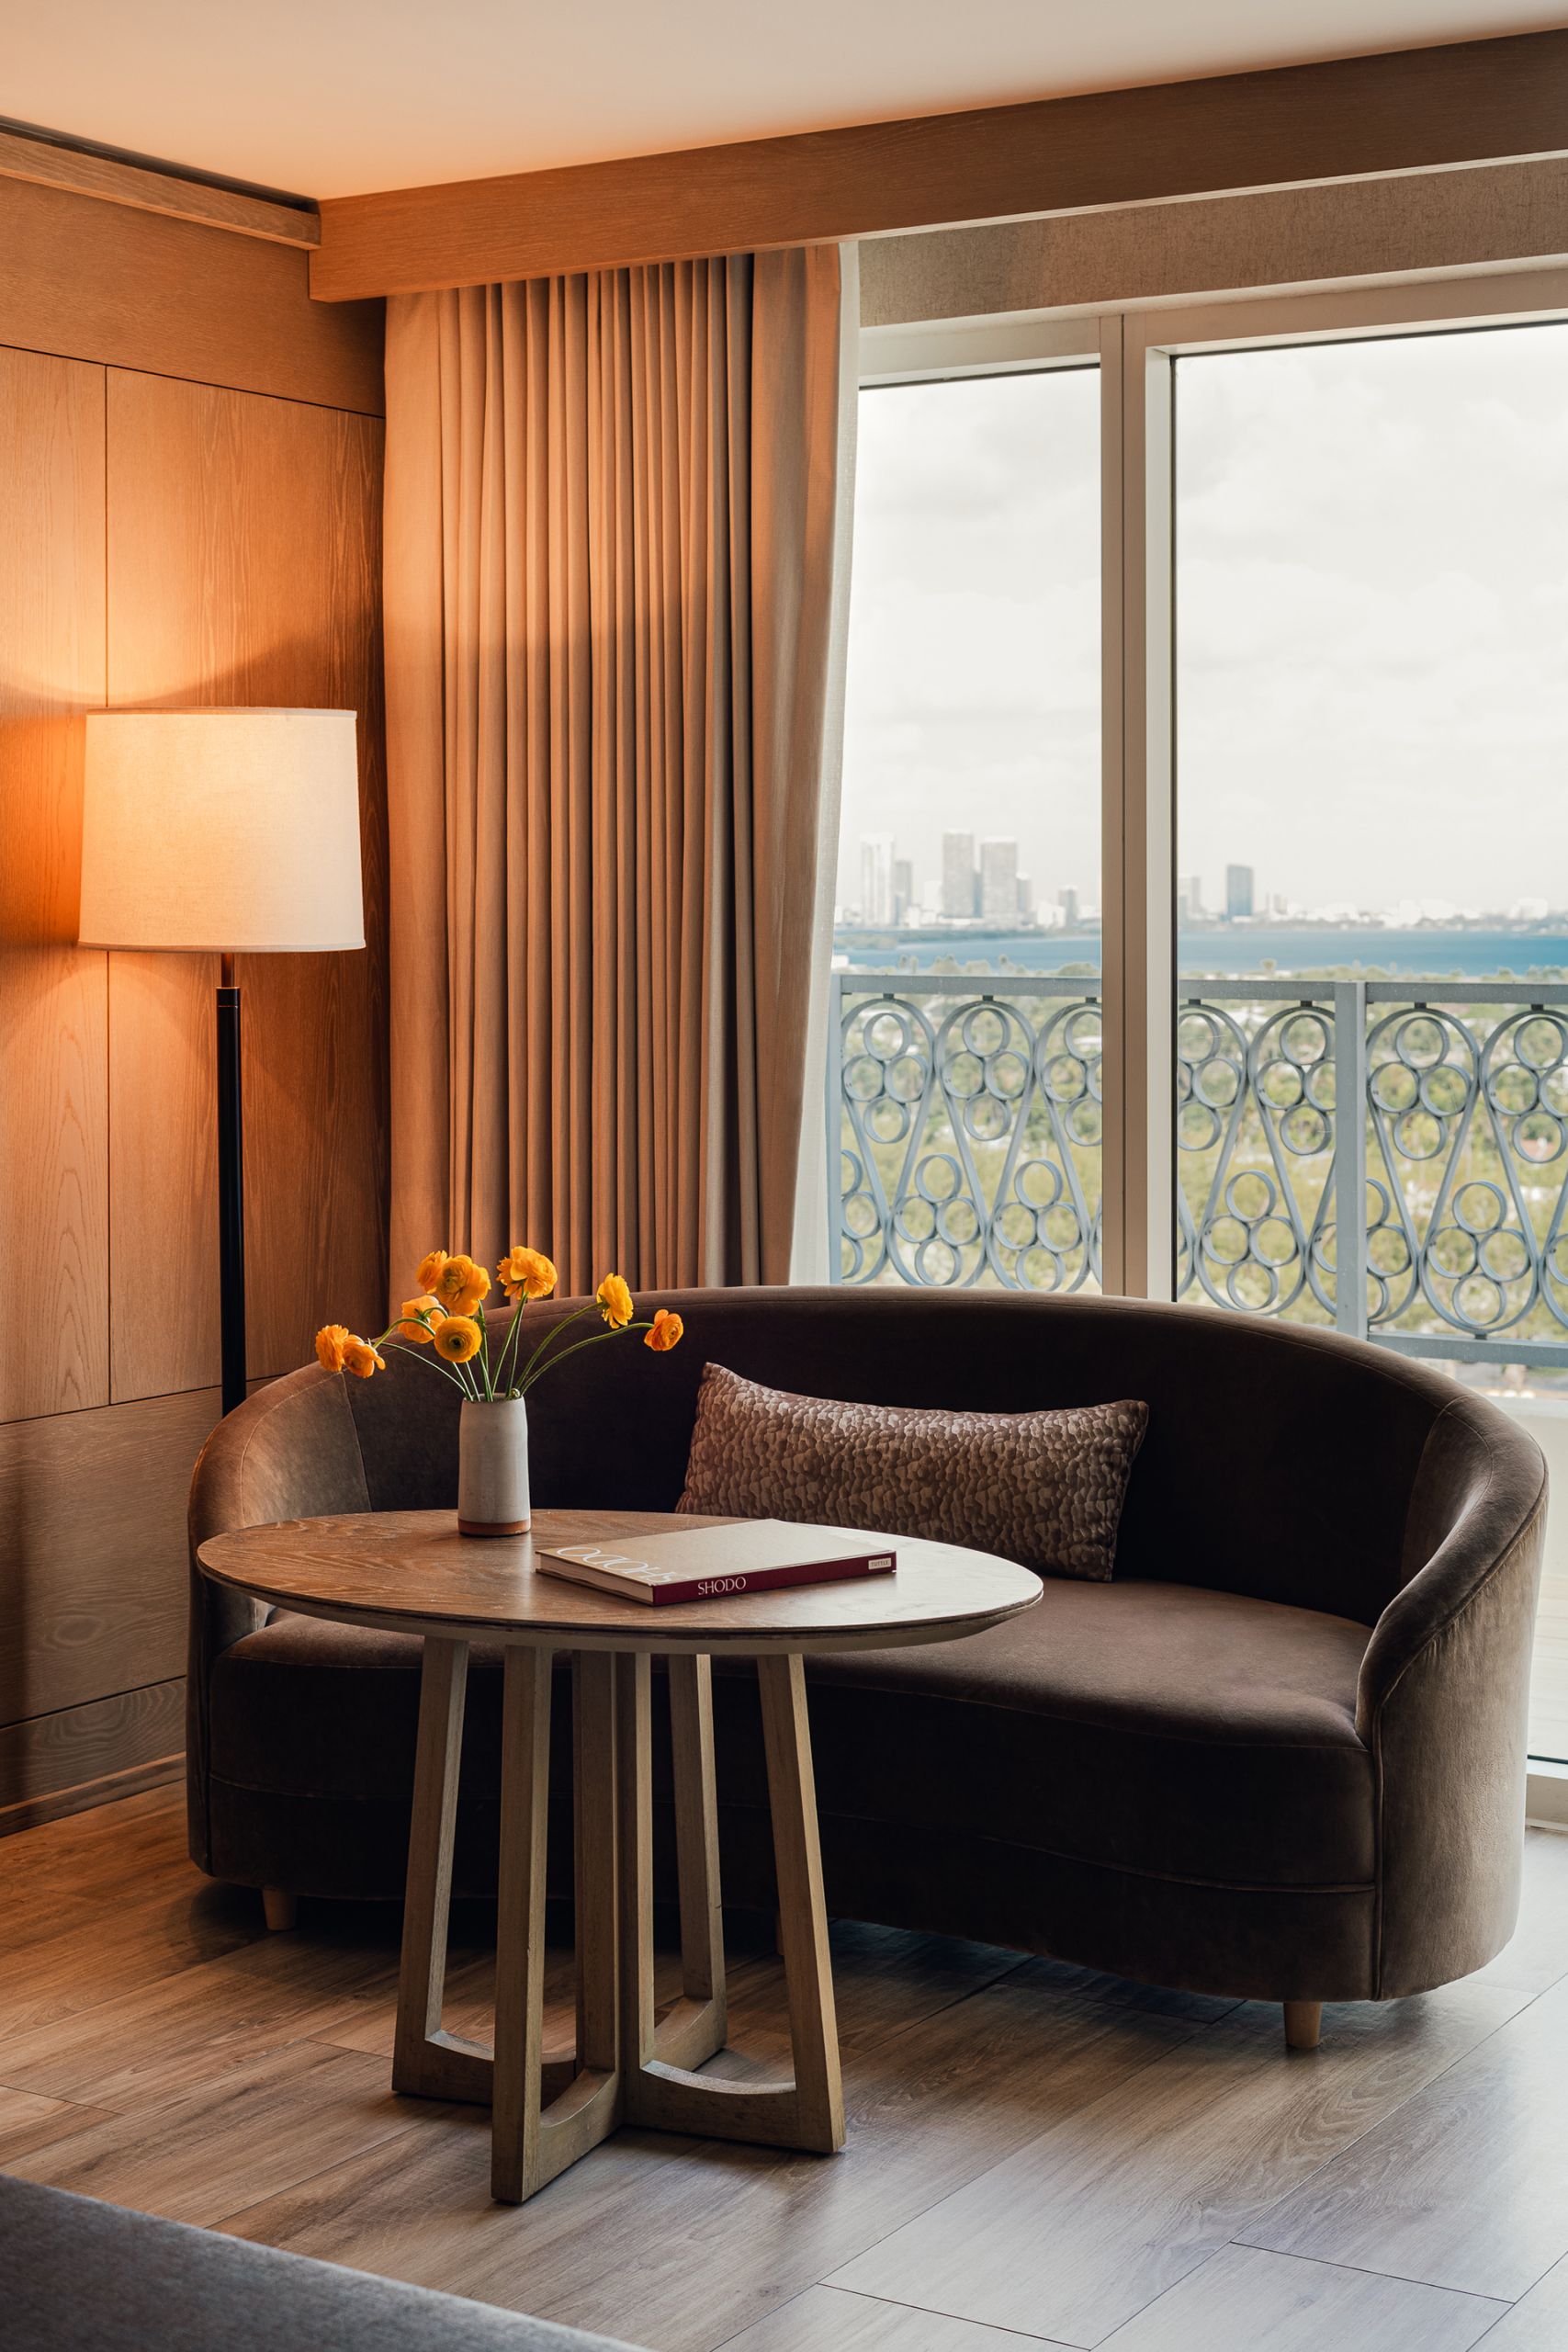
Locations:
227 831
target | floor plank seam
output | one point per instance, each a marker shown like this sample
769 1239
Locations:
1365 2270
1057 2344
288 2187
1460 2058
943 2009
951 2188
758 2318
894 2303
1401 2278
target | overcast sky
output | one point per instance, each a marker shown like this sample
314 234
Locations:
1373 637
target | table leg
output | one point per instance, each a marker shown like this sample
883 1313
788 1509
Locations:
520 1925
596 1901
660 2091
803 1917
549 2112
426 2059
532 2140
697 2026
634 1836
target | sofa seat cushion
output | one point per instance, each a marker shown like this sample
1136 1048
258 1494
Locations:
311 1708
1154 1727
1151 1727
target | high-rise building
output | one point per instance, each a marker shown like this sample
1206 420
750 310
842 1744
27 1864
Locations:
1239 881
1190 888
876 879
958 882
903 889
1067 900
999 880
1027 909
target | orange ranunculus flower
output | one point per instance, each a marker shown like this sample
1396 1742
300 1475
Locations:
360 1358
457 1338
412 1324
615 1301
331 1345
527 1271
428 1267
460 1285
665 1334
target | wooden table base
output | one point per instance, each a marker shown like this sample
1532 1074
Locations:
548 2108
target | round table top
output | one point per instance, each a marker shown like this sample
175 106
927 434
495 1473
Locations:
412 1571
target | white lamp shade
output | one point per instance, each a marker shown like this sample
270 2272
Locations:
222 828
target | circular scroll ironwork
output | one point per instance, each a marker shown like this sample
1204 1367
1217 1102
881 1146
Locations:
972 1125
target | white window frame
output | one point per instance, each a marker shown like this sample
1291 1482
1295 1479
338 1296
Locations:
1135 348
1153 340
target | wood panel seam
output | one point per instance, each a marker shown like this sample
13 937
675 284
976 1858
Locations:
99 1697
216 384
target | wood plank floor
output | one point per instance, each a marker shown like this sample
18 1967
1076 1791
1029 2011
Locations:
1038 2155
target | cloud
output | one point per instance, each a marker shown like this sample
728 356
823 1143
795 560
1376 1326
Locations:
1373 601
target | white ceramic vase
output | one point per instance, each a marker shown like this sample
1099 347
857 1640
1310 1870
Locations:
492 1467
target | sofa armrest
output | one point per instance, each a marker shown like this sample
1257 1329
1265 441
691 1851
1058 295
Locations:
289 1452
1443 1700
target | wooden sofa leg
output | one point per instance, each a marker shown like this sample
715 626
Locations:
281 1907
1303 2024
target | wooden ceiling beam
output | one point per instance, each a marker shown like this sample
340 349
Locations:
1419 109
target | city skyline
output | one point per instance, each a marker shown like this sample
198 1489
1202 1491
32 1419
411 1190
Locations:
890 899
979 882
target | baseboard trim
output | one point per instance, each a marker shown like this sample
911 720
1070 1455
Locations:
1546 1796
29 1812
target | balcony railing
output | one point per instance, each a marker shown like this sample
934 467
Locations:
965 1112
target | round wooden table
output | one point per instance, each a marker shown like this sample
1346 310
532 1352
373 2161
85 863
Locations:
412 1571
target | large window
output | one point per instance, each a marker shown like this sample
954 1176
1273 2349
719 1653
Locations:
1202 910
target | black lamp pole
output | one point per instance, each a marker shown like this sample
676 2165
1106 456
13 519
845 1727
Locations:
230 1188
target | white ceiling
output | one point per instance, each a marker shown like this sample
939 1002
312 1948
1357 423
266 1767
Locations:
332 97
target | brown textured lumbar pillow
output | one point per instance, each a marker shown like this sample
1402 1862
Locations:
1043 1488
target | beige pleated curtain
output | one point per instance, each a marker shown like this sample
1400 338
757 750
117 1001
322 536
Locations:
612 512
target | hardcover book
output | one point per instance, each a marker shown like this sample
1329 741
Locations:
711 1563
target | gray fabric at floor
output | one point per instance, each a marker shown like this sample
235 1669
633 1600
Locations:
76 2276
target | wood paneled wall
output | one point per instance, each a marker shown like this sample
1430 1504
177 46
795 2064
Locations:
190 457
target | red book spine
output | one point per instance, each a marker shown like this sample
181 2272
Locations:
874 1564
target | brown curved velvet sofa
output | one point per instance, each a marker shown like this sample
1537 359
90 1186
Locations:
1281 1755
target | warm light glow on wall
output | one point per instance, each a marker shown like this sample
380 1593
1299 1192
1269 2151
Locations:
222 828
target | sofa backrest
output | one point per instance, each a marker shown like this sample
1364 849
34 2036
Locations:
1278 1462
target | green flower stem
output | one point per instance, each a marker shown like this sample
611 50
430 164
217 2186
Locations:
591 1342
482 1359
436 1362
512 1336
528 1374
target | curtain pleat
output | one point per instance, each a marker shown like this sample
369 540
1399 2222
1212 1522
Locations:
611 571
